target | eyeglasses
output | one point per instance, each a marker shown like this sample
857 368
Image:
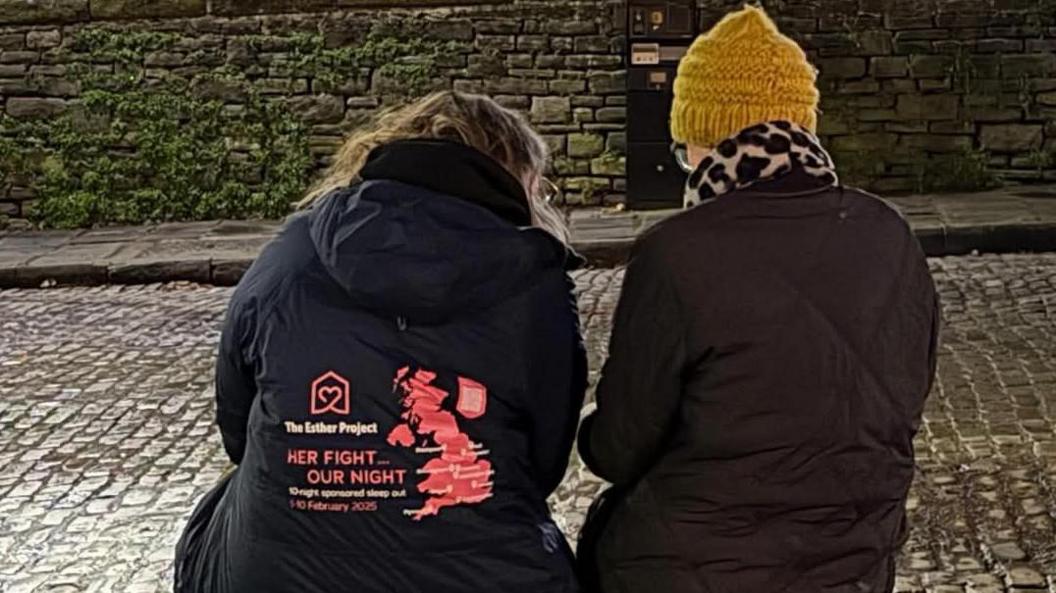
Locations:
549 191
681 154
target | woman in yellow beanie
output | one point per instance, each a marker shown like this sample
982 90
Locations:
744 89
770 354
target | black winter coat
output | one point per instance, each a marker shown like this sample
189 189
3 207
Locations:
399 382
770 358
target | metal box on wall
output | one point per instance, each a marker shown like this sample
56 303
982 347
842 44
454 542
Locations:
658 33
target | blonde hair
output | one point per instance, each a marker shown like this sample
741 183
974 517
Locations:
474 120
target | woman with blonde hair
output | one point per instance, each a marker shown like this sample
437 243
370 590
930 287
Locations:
400 374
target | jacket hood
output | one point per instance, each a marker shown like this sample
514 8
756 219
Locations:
402 247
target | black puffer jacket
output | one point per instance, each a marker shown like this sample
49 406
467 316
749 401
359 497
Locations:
399 381
770 358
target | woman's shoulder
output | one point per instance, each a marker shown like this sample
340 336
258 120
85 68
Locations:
285 260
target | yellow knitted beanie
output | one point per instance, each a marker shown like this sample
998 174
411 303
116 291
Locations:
742 72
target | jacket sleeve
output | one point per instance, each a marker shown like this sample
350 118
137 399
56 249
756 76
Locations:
557 383
235 383
641 382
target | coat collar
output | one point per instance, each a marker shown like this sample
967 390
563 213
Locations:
453 169
797 183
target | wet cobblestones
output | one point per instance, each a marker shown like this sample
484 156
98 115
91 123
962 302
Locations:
106 438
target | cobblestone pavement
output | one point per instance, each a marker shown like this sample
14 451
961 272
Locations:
106 438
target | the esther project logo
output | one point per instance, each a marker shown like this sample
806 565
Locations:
330 395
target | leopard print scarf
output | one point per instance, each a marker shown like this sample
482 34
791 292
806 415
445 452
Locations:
760 153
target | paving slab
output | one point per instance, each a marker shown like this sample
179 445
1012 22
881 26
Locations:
1014 219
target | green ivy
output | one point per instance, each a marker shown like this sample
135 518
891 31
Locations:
138 149
144 156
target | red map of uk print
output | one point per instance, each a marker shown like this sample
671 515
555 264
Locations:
330 395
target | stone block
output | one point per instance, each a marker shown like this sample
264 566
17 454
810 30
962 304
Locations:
243 8
608 165
19 57
874 141
513 86
843 41
567 87
585 145
913 46
56 87
532 73
138 9
899 85
616 142
491 64
604 83
447 29
14 12
549 61
800 25
593 61
316 109
10 41
952 127
592 44
1047 99
923 35
994 114
985 66
930 66
1041 45
218 89
889 67
1011 137
875 42
502 26
555 143
43 39
295 86
611 114
498 42
521 61
1029 65
532 42
842 68
829 125
932 85
874 115
570 27
906 127
998 46
897 21
26 107
927 107
551 109
163 59
935 143
515 102
562 45
859 87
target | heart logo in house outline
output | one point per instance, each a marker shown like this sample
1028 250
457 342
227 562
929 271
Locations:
330 394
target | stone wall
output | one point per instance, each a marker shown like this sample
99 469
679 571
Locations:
919 94
922 95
